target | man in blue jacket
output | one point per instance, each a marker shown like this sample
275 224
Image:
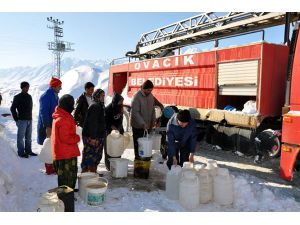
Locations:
181 138
48 102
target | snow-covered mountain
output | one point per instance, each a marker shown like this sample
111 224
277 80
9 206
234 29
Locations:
75 72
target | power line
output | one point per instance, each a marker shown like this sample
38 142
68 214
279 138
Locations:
58 47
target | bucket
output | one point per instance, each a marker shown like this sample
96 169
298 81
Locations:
83 180
49 202
95 192
145 145
141 168
118 167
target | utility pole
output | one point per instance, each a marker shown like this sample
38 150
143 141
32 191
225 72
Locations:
58 47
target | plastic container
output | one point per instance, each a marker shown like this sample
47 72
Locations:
118 167
142 168
83 180
145 147
188 166
95 192
116 143
212 167
156 138
189 190
66 194
223 187
49 202
172 182
46 152
205 186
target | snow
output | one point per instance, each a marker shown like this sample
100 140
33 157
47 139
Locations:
22 182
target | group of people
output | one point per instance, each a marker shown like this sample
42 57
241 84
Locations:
58 118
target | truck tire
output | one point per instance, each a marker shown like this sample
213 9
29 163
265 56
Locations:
271 142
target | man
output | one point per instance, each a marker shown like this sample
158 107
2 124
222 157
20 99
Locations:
114 121
143 113
181 138
83 103
21 110
48 102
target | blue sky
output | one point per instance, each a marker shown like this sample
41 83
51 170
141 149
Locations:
100 35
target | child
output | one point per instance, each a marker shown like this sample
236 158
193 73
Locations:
64 142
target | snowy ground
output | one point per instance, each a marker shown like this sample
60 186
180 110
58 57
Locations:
19 176
22 182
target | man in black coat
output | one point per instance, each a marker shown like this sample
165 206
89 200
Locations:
114 121
83 103
21 110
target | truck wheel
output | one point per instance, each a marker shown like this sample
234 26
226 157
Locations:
271 142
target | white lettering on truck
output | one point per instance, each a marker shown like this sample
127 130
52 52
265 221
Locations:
183 81
166 63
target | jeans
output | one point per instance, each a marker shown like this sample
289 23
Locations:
182 155
24 131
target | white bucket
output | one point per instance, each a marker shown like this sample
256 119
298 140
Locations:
49 202
95 192
118 167
83 180
145 147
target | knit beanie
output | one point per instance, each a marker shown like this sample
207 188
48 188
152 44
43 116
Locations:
54 82
24 84
96 95
66 102
184 116
147 84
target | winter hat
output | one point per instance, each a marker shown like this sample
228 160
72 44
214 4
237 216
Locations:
168 112
54 82
116 98
24 84
66 102
147 84
184 116
96 95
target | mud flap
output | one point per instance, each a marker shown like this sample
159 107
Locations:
287 161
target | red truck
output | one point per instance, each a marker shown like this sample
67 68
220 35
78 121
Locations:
207 82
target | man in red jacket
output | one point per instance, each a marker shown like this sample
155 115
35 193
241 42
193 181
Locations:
64 142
